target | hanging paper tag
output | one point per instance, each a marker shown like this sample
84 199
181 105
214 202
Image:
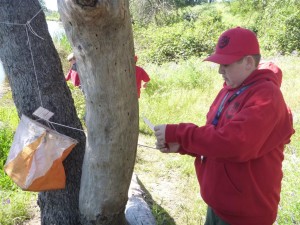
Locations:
43 113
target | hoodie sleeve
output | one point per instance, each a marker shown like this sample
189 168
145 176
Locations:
68 77
262 124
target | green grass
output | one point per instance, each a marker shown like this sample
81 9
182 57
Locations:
178 92
14 206
6 136
8 112
8 123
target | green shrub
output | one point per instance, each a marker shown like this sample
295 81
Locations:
289 41
276 22
179 41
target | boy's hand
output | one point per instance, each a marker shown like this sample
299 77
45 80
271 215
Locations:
159 131
170 148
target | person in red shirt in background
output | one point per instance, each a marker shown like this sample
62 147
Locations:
73 74
239 151
142 77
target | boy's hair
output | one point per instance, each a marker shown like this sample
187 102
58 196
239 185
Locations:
257 58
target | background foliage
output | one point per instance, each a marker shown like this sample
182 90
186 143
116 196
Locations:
181 32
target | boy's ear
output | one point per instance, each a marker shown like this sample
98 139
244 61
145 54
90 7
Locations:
250 62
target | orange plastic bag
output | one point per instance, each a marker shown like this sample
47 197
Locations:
35 158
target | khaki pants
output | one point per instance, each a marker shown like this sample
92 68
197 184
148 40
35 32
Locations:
213 219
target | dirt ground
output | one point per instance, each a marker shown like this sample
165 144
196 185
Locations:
35 215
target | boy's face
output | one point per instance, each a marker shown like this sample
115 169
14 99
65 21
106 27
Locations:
234 74
72 61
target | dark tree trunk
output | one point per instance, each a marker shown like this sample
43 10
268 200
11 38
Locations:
36 78
101 35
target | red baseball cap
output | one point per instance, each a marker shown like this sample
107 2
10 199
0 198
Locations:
233 45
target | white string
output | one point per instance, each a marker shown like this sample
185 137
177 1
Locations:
49 124
32 31
29 27
40 96
145 146
35 15
64 125
29 43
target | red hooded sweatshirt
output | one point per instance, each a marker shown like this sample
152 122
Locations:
141 75
239 161
73 75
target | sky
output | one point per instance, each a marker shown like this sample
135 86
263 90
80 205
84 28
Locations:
51 4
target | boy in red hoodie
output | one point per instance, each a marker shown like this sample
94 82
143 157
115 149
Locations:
73 74
239 152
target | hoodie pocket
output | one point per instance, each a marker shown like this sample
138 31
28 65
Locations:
218 188
230 181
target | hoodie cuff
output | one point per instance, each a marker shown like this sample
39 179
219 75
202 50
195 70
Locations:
170 135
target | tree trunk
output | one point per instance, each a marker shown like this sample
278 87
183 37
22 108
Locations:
36 78
101 36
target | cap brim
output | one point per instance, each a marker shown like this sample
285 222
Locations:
223 59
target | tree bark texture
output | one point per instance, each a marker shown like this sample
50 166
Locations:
137 211
101 36
36 78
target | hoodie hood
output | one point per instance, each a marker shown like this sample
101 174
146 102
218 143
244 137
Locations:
265 71
273 68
